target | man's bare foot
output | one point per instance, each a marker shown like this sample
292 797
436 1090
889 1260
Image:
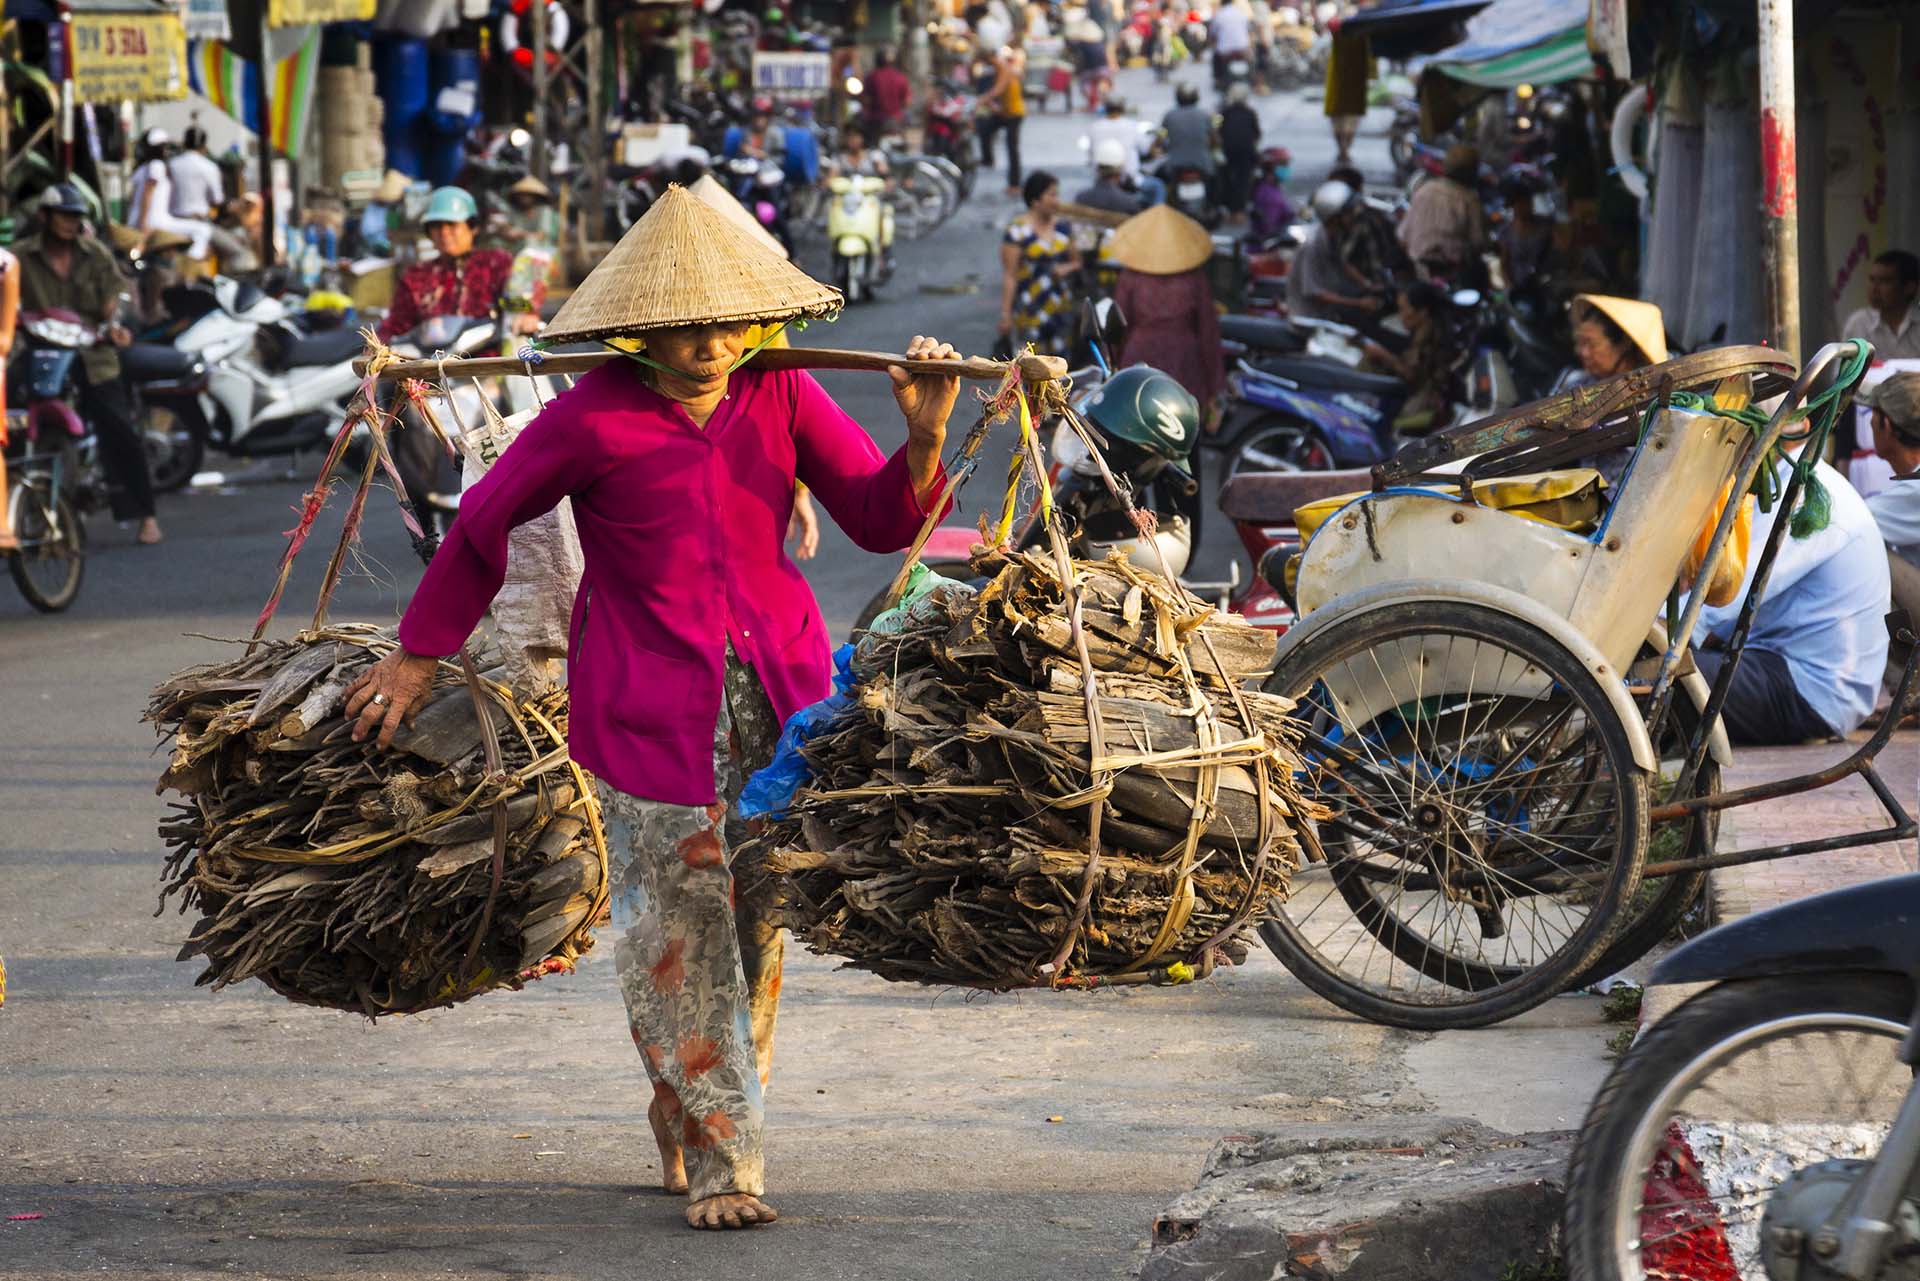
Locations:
149 533
730 1210
673 1166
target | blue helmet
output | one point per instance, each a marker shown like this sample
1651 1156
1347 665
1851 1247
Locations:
451 204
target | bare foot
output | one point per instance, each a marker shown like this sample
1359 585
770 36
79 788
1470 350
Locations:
730 1210
673 1166
8 544
149 532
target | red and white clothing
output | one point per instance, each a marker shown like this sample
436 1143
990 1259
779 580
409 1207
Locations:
467 286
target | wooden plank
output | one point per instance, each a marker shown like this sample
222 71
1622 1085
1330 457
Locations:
974 368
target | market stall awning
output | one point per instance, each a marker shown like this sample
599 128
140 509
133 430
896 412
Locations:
1405 28
1516 42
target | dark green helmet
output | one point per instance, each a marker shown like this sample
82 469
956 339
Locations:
1145 407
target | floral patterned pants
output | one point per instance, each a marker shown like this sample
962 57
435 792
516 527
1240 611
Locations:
699 964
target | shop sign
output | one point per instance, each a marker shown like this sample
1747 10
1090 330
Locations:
293 13
207 20
128 57
792 76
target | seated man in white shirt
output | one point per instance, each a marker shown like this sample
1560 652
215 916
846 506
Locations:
1888 319
199 188
1813 660
1896 438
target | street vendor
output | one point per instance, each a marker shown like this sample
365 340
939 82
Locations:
693 635
460 281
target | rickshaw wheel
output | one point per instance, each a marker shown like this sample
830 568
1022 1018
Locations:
1484 839
1660 903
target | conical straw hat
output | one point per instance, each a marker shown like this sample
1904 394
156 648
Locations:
682 264
1642 322
1161 241
710 190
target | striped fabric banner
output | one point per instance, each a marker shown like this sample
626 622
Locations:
1516 42
1558 58
227 81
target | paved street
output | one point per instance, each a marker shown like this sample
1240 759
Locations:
161 1130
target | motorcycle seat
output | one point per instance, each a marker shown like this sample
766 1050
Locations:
1269 498
328 347
152 362
1330 375
1262 333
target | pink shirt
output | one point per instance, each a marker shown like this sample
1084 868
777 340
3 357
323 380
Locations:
683 531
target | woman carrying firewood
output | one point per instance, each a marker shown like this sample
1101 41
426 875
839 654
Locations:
693 636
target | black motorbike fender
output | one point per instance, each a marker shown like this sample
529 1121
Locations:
1872 927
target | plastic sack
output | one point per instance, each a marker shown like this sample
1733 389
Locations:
1732 570
534 609
920 582
772 788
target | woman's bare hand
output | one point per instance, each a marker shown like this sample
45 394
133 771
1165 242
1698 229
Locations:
390 694
803 527
926 399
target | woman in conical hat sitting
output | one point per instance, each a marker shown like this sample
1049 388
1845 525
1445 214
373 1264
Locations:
693 636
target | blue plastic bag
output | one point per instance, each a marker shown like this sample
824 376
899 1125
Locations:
772 789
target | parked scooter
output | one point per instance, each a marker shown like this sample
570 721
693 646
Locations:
1314 411
273 388
950 134
1768 1127
860 230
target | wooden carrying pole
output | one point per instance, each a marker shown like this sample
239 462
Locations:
1033 369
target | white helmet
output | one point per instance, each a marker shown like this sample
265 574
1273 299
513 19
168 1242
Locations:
1109 153
1330 199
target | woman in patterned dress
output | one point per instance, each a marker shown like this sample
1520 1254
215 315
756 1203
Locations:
1037 266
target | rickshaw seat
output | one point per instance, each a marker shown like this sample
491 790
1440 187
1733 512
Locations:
1271 497
1569 499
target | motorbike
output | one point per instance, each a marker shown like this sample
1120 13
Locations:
1314 410
274 387
54 475
760 187
860 232
166 386
1769 1127
949 134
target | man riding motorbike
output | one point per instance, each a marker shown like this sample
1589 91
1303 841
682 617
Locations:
1321 284
62 269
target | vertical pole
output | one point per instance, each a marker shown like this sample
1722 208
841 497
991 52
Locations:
65 37
538 148
593 143
263 114
917 57
1779 175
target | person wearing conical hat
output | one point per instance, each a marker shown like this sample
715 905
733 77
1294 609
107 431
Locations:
693 636
1613 335
1164 294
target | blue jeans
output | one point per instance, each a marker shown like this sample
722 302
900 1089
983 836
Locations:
1152 191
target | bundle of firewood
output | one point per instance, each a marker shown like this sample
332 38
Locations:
948 832
380 882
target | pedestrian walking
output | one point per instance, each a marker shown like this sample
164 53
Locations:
1164 293
1006 104
693 638
1349 68
1038 263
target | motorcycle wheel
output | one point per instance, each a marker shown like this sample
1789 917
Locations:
1708 1139
846 279
53 545
1280 445
174 451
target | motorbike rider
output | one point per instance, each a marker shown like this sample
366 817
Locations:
1321 284
858 156
1271 211
1372 244
461 281
63 269
1445 229
1109 190
1189 130
1117 125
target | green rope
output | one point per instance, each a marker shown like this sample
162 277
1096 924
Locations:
641 358
1816 505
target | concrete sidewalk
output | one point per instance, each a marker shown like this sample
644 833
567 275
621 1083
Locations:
1846 806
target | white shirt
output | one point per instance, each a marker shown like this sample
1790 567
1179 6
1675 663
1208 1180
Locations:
1888 344
197 187
1826 606
1896 510
153 176
1232 29
1126 131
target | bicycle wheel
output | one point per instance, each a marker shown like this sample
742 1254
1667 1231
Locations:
53 545
1487 823
1760 1097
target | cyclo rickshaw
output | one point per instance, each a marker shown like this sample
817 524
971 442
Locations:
1499 703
